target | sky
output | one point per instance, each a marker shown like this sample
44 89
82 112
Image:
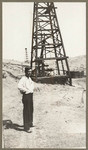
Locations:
17 20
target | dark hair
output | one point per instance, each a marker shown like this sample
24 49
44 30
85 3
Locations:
27 69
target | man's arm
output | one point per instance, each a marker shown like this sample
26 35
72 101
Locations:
21 86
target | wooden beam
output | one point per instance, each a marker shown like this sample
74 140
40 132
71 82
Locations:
52 58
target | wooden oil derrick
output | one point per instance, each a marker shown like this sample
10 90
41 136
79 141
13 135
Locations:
26 56
48 57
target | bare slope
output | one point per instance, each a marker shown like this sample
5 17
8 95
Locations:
59 114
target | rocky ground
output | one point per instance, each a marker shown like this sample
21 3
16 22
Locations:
59 114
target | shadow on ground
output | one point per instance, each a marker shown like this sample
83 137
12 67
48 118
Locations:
8 124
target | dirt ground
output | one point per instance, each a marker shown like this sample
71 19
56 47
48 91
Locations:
59 116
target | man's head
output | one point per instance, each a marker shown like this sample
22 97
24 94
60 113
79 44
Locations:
27 71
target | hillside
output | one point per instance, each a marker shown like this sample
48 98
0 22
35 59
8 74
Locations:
15 68
77 63
59 111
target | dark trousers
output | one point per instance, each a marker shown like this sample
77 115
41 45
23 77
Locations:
27 110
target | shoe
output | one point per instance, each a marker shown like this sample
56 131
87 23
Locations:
28 131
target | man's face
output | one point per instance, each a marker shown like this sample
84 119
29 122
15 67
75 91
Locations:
28 73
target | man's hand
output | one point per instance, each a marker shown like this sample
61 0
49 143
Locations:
22 92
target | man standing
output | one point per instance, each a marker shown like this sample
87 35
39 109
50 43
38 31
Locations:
26 87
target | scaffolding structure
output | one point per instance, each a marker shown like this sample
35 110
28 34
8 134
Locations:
26 56
48 57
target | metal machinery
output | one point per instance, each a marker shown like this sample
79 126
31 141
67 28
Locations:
48 57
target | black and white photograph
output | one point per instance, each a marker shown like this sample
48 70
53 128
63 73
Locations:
44 75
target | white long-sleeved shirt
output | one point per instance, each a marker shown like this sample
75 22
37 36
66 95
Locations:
26 85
